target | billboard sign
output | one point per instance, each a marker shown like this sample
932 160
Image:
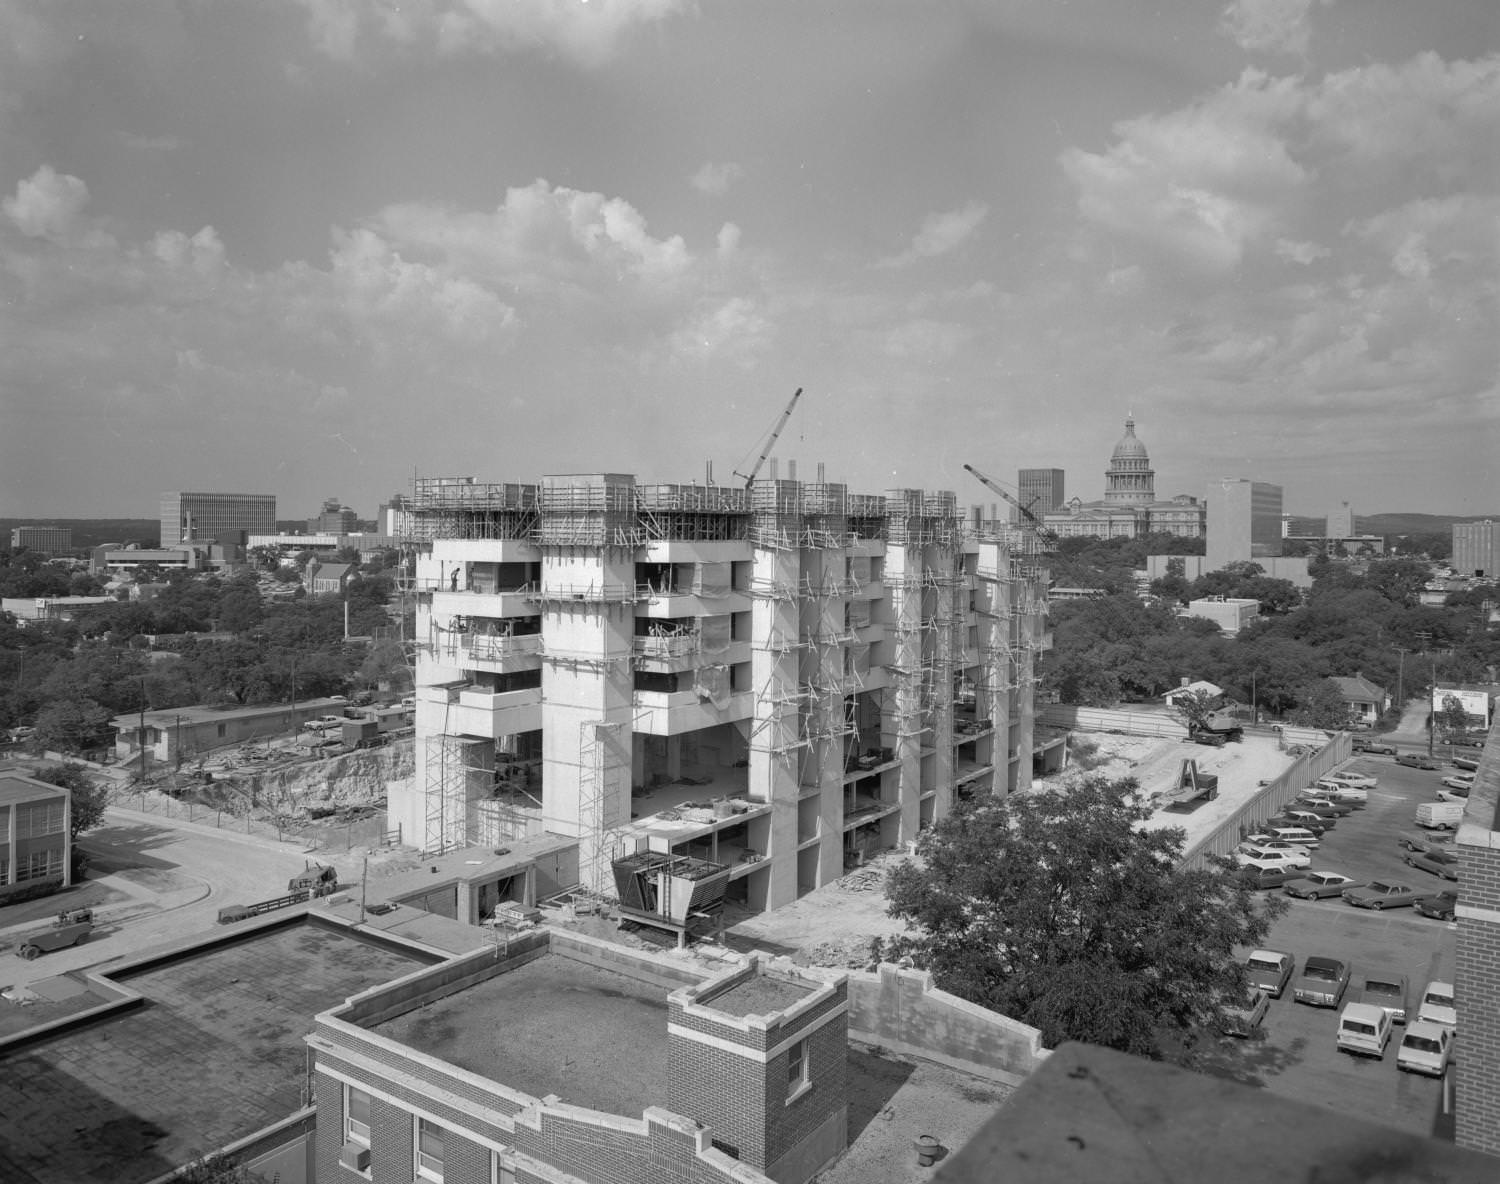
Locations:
1476 703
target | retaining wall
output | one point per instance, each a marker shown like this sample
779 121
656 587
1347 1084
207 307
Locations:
902 1011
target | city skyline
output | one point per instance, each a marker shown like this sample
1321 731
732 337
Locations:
318 247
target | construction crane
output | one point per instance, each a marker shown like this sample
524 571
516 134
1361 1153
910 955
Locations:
749 477
1042 533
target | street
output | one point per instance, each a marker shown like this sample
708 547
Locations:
149 881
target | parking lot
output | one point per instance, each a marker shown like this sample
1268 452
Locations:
1295 1057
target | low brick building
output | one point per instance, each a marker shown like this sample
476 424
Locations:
555 1057
1477 982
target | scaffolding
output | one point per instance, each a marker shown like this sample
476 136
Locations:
461 508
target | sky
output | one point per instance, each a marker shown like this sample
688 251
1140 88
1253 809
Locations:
317 247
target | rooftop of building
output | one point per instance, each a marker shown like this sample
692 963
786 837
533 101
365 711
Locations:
17 787
759 994
1093 1116
465 865
555 1025
212 1053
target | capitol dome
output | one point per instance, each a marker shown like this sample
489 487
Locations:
1129 480
1129 448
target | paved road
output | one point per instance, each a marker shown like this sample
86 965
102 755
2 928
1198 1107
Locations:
150 881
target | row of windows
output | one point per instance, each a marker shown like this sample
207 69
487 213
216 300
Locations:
36 866
428 1138
36 819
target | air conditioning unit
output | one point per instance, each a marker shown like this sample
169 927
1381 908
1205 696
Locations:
356 1156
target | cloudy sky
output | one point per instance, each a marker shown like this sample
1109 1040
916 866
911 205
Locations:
312 247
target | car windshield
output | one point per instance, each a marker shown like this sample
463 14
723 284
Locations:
1324 973
1377 886
1359 1026
1438 998
1422 1044
1375 988
1264 963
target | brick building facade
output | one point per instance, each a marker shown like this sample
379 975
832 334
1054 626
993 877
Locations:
747 1096
1477 972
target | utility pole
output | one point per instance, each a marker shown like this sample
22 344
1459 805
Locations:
1400 677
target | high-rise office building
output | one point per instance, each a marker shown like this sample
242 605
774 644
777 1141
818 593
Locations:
1041 490
206 517
1476 548
1244 521
44 540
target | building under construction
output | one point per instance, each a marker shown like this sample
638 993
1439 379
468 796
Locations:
781 679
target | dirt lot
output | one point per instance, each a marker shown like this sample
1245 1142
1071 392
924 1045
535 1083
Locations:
835 925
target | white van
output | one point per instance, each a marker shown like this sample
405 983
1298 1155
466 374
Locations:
1435 815
1365 1029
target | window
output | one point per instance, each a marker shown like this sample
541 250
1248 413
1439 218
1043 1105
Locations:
797 1079
356 1115
429 1150
40 818
39 865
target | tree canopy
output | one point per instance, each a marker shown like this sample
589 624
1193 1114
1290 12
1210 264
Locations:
1062 912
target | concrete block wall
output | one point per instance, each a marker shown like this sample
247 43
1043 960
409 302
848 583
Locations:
902 1011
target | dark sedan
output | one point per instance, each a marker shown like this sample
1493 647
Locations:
1325 807
1376 747
1419 760
1439 863
1441 905
1381 894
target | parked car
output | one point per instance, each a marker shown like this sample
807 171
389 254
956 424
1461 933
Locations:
1418 760
1262 879
1428 841
1322 982
1368 744
1351 779
1297 836
1324 807
1386 989
1241 1021
1425 1048
1269 970
1263 863
1291 857
1268 840
1381 894
1441 906
1337 791
1317 885
1438 1005
1292 815
1467 763
1439 863
1364 1029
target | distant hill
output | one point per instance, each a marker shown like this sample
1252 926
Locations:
91 532
1390 524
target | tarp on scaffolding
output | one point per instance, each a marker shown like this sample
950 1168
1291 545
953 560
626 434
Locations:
859 614
859 659
714 633
711 580
712 683
859 569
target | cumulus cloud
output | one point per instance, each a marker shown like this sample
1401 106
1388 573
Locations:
47 204
587 32
735 330
940 233
1300 252
715 179
203 252
1268 26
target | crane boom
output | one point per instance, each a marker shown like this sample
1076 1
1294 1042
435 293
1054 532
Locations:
1035 523
771 443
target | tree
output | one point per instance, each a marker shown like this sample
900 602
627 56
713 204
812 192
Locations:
1453 719
73 726
1057 910
1194 708
89 797
1320 704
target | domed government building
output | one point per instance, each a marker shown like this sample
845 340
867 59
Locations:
1129 507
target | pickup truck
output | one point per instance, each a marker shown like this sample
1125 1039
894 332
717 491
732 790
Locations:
71 927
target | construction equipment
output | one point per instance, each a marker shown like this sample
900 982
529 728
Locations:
749 478
1042 533
71 927
1190 786
1217 728
318 878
